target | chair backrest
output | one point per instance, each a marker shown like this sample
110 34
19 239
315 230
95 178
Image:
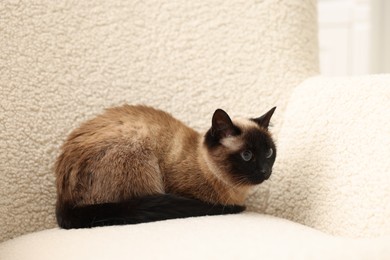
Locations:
62 62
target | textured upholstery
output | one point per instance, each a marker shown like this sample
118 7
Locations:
63 62
333 167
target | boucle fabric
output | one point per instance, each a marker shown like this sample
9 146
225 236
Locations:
333 168
62 62
244 236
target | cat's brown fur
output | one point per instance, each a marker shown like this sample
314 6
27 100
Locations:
136 151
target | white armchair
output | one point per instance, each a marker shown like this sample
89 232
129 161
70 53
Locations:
64 62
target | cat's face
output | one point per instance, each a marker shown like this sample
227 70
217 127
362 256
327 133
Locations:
241 150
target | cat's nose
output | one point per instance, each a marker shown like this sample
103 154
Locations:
266 174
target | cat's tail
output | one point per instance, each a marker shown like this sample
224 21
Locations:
139 210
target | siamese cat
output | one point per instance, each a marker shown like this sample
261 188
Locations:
135 164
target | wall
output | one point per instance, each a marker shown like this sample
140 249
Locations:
345 30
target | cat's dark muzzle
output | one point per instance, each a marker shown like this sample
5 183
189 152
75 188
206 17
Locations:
260 177
266 174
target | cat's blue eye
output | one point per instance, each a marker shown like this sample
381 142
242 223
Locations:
246 155
269 153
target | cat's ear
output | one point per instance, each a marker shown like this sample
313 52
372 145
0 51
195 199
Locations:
264 120
222 125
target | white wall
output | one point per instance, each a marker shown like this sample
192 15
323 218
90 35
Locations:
344 37
354 36
380 18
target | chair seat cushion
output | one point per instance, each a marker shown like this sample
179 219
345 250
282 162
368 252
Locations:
243 236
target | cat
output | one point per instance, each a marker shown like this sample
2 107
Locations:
135 164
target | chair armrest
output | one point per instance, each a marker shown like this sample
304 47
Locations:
333 166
